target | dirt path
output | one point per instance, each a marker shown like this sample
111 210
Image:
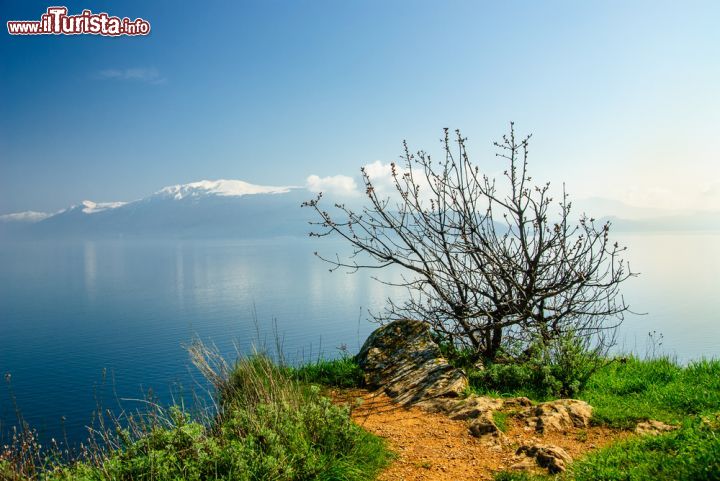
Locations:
434 447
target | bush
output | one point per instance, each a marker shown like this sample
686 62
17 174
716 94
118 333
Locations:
268 426
558 368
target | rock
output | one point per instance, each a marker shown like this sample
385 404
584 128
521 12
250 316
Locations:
525 464
482 426
653 428
553 458
517 402
471 407
402 358
559 415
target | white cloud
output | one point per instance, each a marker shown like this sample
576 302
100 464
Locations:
147 75
379 170
335 184
380 174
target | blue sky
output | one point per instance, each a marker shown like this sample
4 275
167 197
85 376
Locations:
623 98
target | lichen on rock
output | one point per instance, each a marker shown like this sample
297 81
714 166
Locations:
653 428
559 415
553 458
402 358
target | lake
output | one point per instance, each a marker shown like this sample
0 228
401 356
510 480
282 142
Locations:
88 324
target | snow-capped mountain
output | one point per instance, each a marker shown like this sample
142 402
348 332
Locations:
220 208
222 188
90 207
229 209
29 217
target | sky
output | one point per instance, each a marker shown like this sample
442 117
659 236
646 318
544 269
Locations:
622 97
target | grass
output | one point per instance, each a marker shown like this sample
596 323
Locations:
269 425
625 392
500 419
691 454
342 372
636 390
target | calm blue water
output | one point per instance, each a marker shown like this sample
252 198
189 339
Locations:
94 323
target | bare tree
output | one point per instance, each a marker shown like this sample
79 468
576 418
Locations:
486 266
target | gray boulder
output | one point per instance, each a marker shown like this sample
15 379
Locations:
553 458
559 415
402 358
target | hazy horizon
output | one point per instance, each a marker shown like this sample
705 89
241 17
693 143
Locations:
231 195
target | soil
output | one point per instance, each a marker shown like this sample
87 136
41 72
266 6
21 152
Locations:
430 446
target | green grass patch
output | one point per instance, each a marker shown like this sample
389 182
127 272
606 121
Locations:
507 380
690 454
343 372
500 419
560 367
624 393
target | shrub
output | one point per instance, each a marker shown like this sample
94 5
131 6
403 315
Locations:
268 426
557 368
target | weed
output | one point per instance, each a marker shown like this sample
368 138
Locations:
500 419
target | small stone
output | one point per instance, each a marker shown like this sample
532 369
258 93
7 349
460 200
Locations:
553 458
525 464
486 431
653 428
481 427
517 402
559 415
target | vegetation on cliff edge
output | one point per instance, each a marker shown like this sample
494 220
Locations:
268 426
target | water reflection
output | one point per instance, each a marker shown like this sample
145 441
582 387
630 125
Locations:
68 311
90 268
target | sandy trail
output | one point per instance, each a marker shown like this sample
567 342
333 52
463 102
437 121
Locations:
430 446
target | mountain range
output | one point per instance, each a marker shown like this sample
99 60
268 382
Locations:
238 209
222 208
